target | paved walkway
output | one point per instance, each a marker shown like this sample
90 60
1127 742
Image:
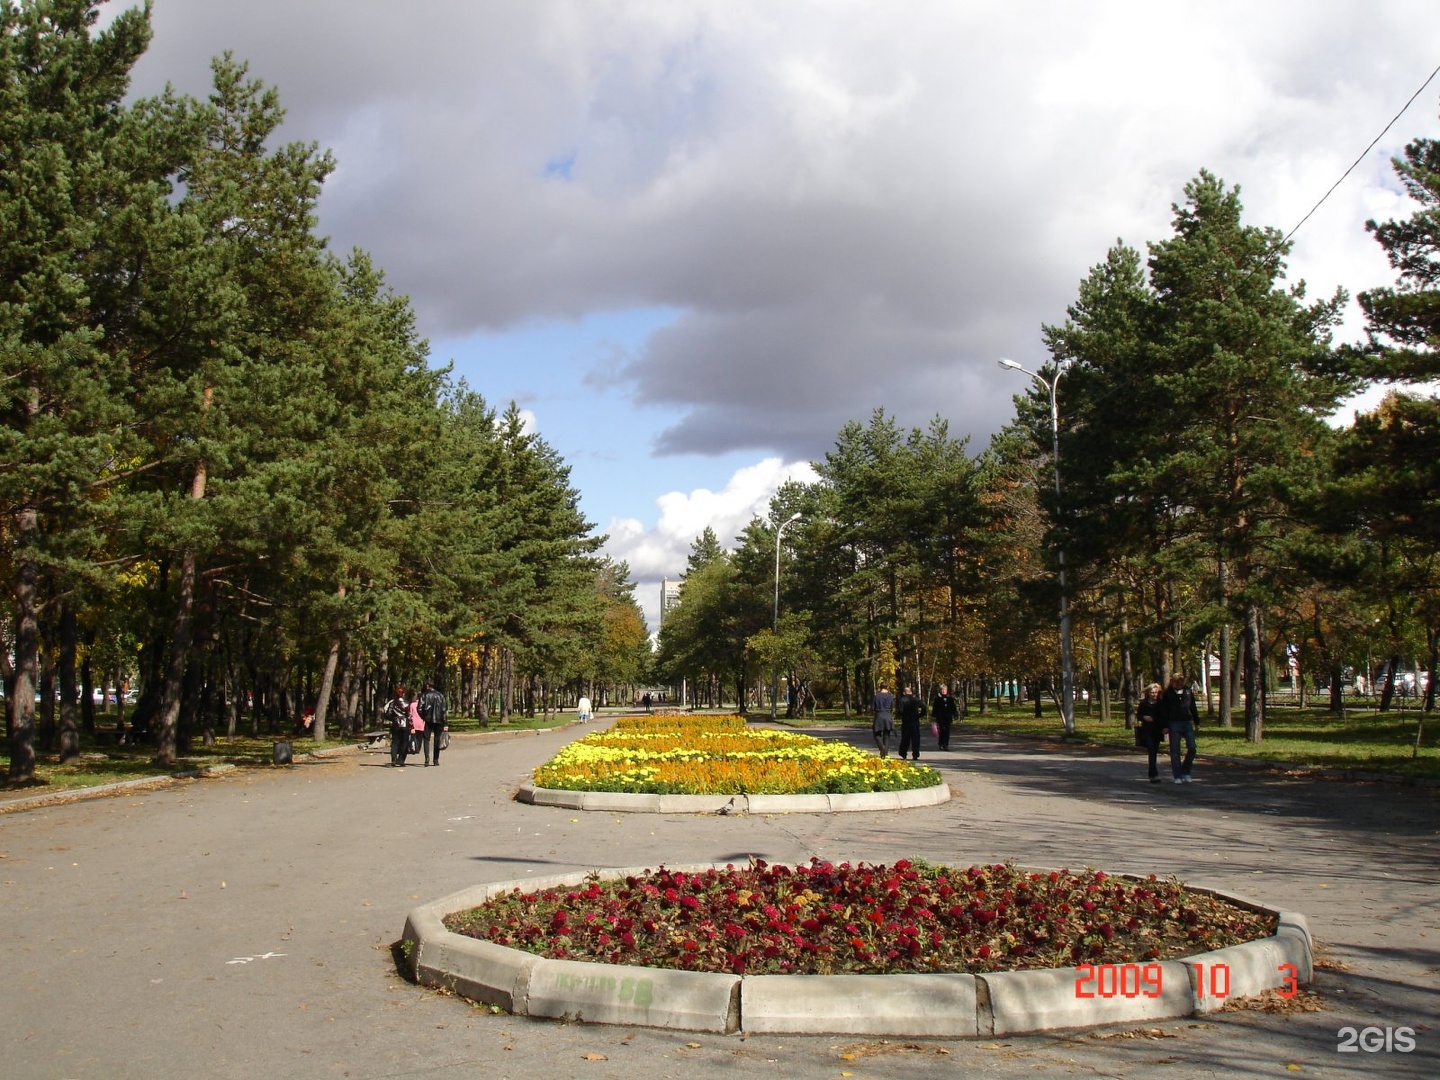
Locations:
241 926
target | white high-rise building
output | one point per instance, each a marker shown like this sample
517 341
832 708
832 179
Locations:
669 596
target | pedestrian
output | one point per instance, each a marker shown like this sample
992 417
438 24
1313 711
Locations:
646 702
1180 714
432 711
1149 727
910 709
582 709
417 723
943 711
397 712
884 718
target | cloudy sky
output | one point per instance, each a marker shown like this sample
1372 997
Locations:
693 238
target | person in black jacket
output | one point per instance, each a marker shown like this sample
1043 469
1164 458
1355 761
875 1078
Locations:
910 710
432 711
884 705
943 710
1149 727
398 714
1180 714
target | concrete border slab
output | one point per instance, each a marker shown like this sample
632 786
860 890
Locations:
1016 1001
626 802
650 997
907 1006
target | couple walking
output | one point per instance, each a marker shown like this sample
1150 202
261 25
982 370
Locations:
1174 713
910 709
417 724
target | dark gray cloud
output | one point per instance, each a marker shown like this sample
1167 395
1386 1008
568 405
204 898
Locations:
851 204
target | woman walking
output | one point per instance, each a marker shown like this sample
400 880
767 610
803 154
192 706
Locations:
1149 728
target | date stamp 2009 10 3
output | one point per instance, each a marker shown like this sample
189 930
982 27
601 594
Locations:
1144 980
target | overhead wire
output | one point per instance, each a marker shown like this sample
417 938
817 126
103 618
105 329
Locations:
1363 155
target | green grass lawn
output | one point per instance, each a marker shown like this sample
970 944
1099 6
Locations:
1365 739
101 762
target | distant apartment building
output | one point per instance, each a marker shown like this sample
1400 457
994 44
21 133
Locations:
669 596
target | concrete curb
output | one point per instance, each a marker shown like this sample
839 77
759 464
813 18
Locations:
617 802
65 795
943 1005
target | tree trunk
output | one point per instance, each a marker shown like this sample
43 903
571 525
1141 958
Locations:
1102 673
47 691
327 682
87 685
168 721
1337 690
21 700
1432 636
69 715
1392 668
1254 677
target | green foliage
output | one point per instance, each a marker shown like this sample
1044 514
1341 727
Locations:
224 448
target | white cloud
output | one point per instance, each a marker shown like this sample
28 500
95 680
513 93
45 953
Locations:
660 551
850 204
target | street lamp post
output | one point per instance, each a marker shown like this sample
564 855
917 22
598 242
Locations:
1067 662
775 625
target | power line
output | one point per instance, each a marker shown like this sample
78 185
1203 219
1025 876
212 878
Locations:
1361 158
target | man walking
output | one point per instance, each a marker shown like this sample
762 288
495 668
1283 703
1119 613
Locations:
943 710
1180 714
884 705
910 710
432 711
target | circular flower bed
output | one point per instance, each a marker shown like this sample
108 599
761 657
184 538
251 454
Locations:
827 918
719 755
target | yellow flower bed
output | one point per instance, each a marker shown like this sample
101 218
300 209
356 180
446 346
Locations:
711 755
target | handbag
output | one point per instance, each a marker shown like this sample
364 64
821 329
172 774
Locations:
443 740
935 730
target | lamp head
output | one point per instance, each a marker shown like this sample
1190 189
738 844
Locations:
1005 362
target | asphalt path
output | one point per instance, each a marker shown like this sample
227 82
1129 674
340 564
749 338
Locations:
243 925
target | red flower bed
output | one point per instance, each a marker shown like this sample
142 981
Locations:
828 918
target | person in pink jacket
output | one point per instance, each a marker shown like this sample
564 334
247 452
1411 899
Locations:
417 724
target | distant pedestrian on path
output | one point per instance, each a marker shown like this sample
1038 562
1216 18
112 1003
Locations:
1149 727
432 712
910 709
1180 714
884 719
397 712
943 711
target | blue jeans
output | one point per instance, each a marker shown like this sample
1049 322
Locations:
1180 731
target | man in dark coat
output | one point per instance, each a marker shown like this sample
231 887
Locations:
432 711
1180 714
884 718
910 710
943 710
